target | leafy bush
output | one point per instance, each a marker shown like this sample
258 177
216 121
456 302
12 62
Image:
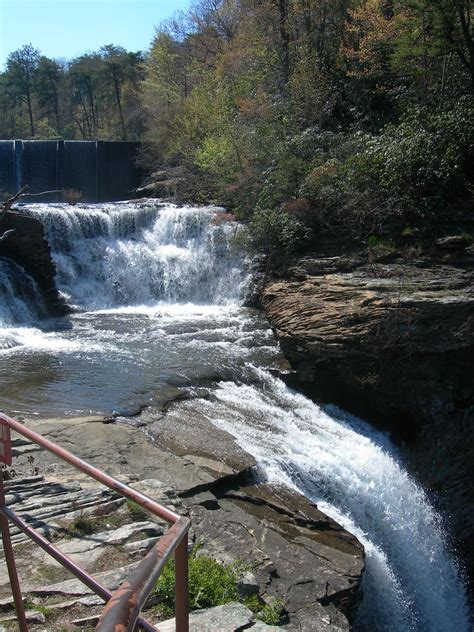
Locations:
210 584
270 613
424 163
415 171
276 232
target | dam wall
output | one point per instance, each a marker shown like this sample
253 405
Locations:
101 170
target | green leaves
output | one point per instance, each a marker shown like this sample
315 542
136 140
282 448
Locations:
210 584
277 233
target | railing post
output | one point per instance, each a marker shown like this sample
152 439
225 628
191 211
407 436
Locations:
181 586
10 560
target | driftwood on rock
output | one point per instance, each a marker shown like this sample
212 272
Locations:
9 202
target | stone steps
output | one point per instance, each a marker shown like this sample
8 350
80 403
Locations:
51 507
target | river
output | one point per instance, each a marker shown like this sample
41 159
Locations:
157 294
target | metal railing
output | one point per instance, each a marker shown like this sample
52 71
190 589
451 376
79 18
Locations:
123 607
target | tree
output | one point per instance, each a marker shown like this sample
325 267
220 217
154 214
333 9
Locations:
118 67
48 81
22 65
449 25
85 84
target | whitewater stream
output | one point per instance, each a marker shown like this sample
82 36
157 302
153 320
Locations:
157 295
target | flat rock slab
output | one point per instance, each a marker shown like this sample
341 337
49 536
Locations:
110 579
192 436
123 451
232 617
297 553
85 551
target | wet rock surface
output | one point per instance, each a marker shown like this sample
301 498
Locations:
28 248
295 552
392 339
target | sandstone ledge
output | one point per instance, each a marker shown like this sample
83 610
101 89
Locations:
392 342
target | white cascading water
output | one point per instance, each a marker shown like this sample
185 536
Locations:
112 255
20 302
355 475
159 296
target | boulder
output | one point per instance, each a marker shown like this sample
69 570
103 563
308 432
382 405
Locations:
28 248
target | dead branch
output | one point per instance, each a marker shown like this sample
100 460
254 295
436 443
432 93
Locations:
7 233
42 193
9 202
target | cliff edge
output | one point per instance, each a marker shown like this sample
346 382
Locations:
391 339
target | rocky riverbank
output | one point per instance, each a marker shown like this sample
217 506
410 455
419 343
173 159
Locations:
390 336
296 553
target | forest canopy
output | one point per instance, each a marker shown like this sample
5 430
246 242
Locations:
306 114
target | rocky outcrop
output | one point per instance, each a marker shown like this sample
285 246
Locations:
163 184
295 552
391 339
28 248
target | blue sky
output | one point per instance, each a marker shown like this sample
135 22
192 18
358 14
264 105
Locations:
67 28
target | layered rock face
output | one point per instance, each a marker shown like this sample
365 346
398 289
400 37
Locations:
393 342
28 248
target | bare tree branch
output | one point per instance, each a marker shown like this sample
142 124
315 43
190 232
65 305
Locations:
8 203
42 193
7 233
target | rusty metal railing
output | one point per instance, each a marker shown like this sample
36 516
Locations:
123 607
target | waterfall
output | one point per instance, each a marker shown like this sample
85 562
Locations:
20 302
158 294
20 298
122 254
356 476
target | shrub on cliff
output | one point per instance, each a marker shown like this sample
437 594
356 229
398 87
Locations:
424 164
416 171
276 232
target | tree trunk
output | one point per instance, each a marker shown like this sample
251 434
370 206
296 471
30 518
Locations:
119 106
30 111
284 38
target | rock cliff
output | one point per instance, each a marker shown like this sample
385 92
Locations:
28 248
391 339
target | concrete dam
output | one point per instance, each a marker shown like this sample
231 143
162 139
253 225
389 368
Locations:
101 170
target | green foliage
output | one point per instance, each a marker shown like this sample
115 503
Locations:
415 171
276 232
299 119
136 511
47 612
213 584
270 613
93 96
210 584
423 164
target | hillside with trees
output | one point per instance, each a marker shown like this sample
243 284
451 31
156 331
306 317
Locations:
304 115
